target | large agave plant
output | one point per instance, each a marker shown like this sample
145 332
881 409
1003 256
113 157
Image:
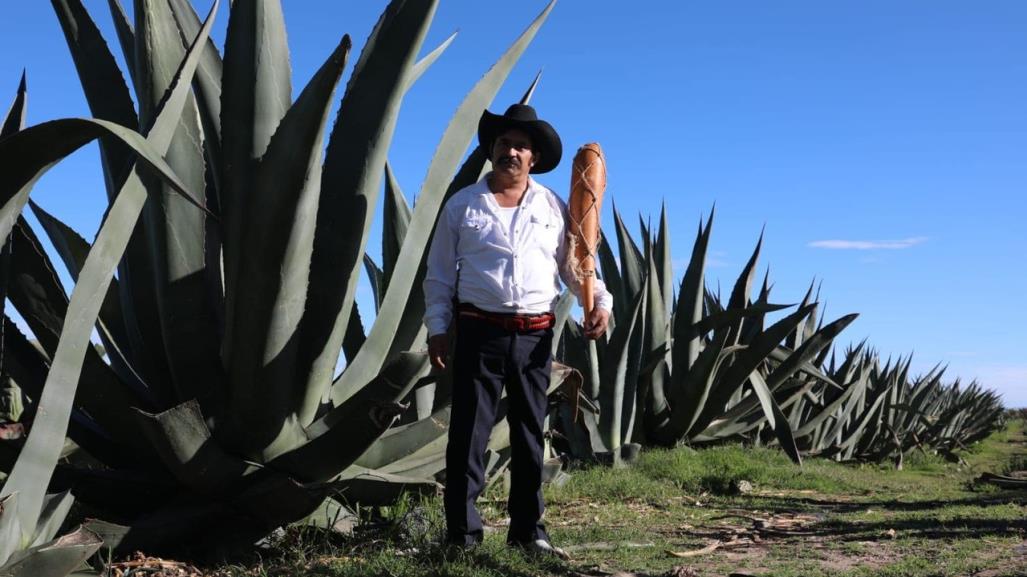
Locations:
238 247
695 369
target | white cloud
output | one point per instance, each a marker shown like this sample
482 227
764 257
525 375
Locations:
868 244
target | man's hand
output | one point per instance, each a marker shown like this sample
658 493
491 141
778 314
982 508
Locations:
595 324
438 350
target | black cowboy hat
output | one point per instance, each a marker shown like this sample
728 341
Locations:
544 139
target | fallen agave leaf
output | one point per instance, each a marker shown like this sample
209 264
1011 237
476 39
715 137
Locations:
697 552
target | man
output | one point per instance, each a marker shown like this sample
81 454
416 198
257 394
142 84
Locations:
498 252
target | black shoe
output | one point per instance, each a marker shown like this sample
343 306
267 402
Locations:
457 548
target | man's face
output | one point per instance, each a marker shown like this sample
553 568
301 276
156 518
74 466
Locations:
512 153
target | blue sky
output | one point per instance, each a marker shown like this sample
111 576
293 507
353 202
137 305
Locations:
882 144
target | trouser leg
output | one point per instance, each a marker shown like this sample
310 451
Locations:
478 366
527 381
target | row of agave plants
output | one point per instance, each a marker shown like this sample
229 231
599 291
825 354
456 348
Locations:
238 227
684 366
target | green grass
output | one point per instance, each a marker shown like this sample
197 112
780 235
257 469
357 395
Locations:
929 519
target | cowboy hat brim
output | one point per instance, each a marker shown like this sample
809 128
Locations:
544 138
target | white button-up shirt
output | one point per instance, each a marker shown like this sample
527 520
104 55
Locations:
474 257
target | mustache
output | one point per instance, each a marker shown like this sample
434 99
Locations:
513 160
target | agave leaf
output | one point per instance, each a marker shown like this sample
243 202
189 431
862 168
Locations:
10 527
38 295
810 348
340 437
576 354
612 277
740 293
354 164
722 320
207 82
656 375
744 364
691 389
647 239
691 385
776 418
275 268
256 93
103 84
432 462
689 308
630 257
184 443
394 224
377 279
28 366
176 231
14 120
383 340
807 368
855 434
55 508
355 335
24 362
423 64
795 339
616 395
126 35
562 312
376 487
56 558
411 440
664 266
73 249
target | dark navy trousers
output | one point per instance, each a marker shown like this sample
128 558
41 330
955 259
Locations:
486 357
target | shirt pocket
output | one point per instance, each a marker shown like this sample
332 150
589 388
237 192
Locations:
475 231
545 229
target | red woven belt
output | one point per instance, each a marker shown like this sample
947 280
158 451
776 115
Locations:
510 322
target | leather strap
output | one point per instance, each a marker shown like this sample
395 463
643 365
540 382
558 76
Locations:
511 322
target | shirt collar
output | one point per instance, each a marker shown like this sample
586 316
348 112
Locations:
529 195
